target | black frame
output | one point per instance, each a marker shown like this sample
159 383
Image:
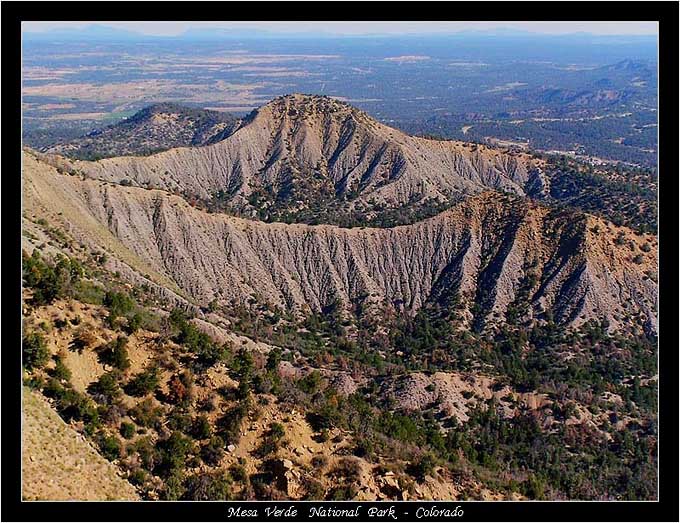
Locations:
666 509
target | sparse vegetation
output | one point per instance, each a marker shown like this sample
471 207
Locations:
50 279
35 353
355 394
144 383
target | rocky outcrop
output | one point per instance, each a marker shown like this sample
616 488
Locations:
489 254
454 394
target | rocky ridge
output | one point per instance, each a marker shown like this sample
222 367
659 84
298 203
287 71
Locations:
299 149
486 253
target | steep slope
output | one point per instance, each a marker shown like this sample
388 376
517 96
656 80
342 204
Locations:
59 464
308 456
489 253
157 127
299 152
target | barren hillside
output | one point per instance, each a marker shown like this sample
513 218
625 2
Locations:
487 253
298 149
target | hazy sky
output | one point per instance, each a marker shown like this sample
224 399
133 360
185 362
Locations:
175 28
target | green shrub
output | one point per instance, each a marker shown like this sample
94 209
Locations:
273 360
35 353
310 383
230 423
196 341
127 430
134 323
276 431
109 446
146 414
173 453
244 365
147 451
534 488
138 476
201 428
89 292
212 452
238 473
34 382
118 355
173 487
364 448
71 405
400 427
208 487
61 371
179 420
313 490
423 467
106 389
342 493
119 304
50 280
144 383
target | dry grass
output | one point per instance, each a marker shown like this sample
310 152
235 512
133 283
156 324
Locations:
59 464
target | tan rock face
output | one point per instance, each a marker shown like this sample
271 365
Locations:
487 250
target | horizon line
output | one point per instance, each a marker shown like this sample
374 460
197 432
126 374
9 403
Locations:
179 29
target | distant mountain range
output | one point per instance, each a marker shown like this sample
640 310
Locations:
101 32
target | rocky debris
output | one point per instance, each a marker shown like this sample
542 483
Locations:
288 370
344 384
287 478
390 488
218 377
454 394
414 392
223 335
